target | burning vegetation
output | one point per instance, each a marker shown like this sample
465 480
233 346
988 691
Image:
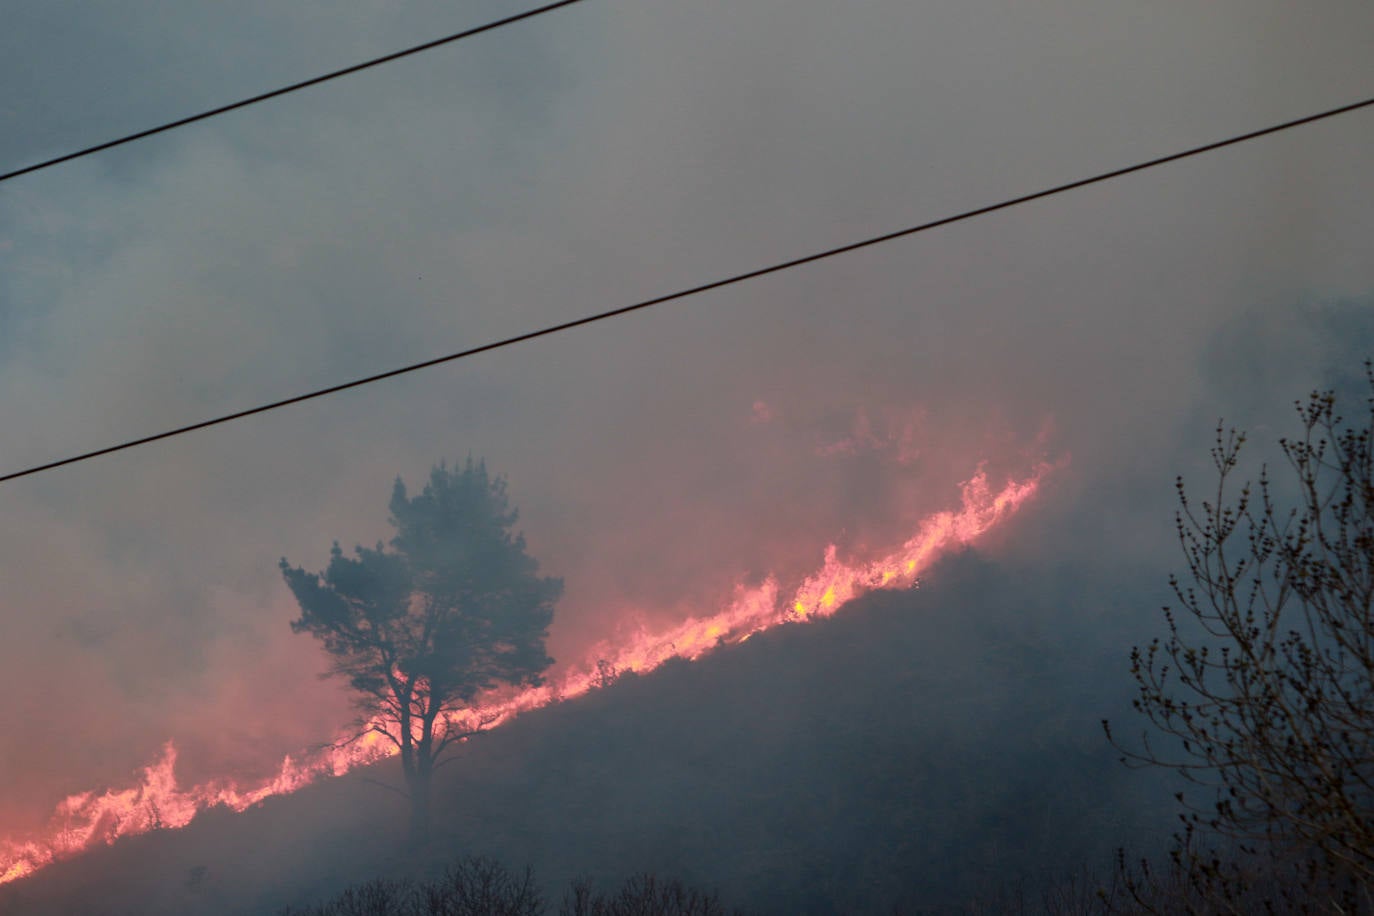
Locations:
157 801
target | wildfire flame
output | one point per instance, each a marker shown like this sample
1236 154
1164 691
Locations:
84 820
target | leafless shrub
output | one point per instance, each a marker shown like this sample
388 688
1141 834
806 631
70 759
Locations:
1263 688
642 895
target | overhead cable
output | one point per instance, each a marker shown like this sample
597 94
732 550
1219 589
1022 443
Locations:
285 90
692 291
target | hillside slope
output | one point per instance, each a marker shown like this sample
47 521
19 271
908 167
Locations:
919 747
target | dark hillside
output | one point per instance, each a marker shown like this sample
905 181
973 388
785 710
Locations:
921 747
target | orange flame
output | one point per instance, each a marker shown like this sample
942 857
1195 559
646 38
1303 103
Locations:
81 821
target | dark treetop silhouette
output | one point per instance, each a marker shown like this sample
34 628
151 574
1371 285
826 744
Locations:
1263 686
455 607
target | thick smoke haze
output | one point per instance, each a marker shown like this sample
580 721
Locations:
607 153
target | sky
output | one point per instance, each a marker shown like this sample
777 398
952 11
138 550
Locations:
585 160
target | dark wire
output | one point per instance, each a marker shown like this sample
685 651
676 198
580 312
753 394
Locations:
294 87
681 294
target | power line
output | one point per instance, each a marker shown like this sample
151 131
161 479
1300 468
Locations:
695 290
294 87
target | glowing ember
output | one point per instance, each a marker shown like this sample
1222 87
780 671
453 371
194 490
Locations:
83 820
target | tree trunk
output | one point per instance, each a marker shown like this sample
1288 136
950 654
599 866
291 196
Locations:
420 778
419 806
